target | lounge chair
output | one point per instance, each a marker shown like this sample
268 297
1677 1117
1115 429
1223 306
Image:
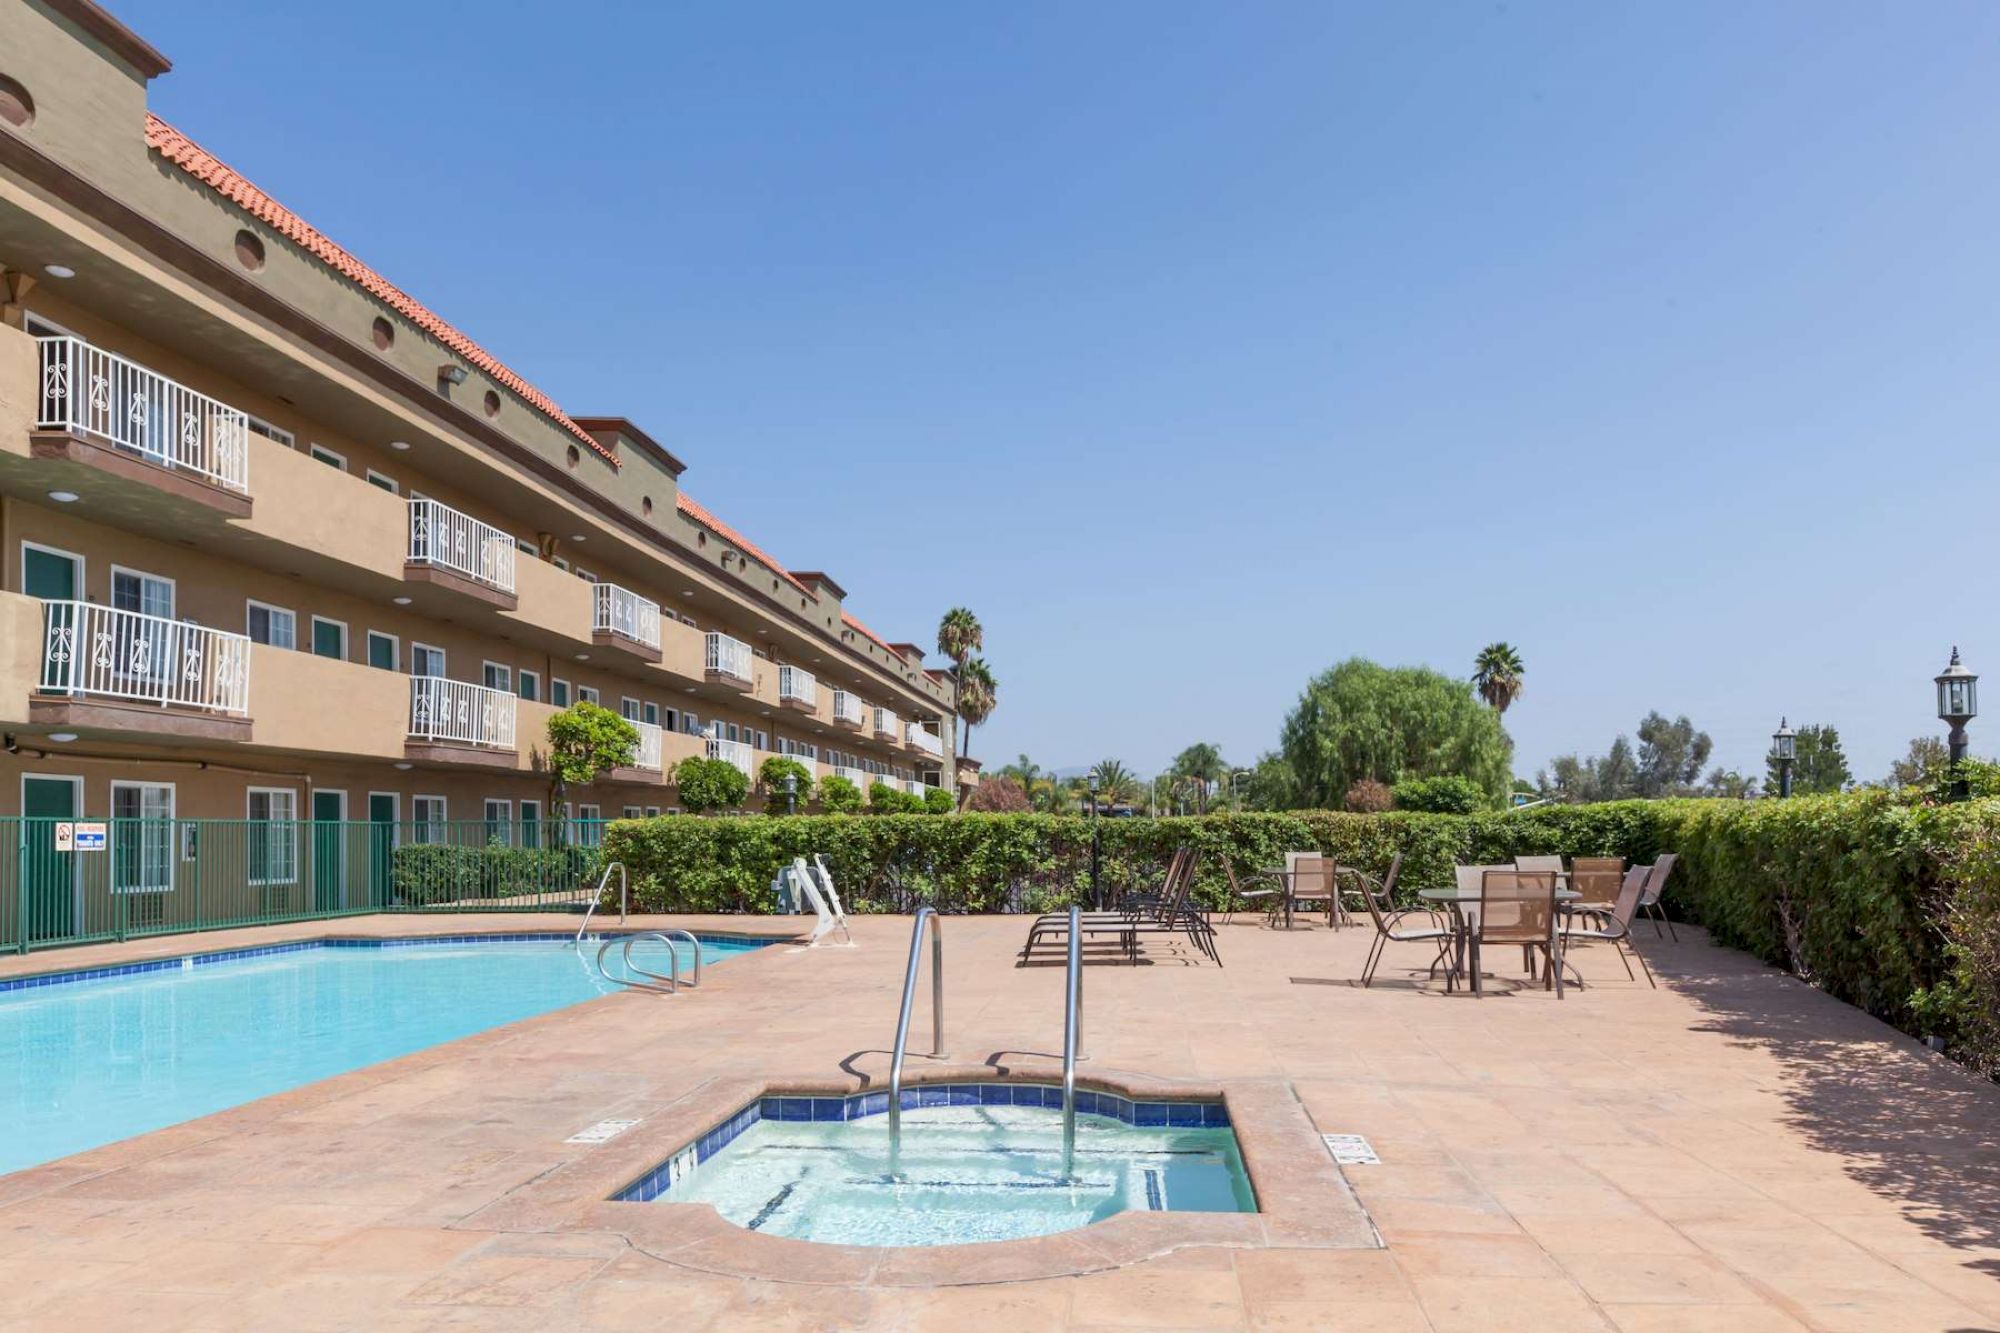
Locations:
1649 901
1175 914
1615 926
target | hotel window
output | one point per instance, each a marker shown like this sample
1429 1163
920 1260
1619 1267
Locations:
531 823
259 426
148 594
142 837
272 625
328 457
586 694
427 819
652 812
499 822
273 835
383 483
559 692
381 650
690 724
586 576
652 714
590 825
631 812
531 685
497 677
329 638
628 708
426 660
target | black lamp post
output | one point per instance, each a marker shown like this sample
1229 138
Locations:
1096 891
791 793
1958 704
1785 749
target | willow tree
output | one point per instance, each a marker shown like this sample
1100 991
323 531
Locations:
1361 720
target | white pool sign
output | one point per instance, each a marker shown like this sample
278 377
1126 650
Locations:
74 837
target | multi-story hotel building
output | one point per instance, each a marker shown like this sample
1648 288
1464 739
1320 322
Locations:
281 543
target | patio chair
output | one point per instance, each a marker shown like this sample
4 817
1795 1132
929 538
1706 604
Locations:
1174 915
1314 879
1596 879
1614 926
1649 901
1389 929
1518 907
1242 897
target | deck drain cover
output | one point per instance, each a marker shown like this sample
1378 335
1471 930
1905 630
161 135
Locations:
1351 1150
602 1132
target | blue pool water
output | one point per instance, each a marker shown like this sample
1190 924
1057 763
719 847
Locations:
90 1062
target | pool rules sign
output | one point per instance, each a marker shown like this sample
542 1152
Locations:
72 837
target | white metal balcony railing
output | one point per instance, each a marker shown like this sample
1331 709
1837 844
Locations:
927 741
846 708
887 724
647 755
728 657
799 686
97 650
626 614
456 710
855 776
441 536
914 787
734 752
95 392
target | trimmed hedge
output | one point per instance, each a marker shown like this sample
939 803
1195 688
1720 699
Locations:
1889 905
438 874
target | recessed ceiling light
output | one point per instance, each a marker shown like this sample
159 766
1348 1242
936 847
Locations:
399 444
59 270
583 657
690 689
404 767
63 497
62 737
577 537
688 593
401 601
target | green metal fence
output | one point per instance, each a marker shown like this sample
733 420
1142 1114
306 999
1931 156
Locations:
80 881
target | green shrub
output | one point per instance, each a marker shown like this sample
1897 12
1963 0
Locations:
884 799
437 874
1439 796
710 784
771 779
839 796
937 801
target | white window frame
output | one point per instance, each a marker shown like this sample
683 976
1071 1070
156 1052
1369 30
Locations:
568 690
589 692
589 819
249 798
505 822
376 479
312 636
649 713
524 675
541 824
395 652
251 604
420 822
488 670
630 812
173 841
259 426
173 588
319 453
82 568
416 646
638 710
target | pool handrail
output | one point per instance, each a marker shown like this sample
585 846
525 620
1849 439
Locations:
694 941
624 897
924 914
1072 1038
610 941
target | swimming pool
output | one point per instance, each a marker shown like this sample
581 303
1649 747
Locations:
89 1060
977 1162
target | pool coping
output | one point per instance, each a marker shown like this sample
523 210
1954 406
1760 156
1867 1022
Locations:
1303 1198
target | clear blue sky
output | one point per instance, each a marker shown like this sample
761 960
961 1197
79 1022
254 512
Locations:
1199 346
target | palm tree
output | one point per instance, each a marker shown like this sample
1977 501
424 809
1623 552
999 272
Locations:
1198 769
978 696
1115 782
959 636
1496 674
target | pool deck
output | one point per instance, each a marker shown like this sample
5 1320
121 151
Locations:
1733 1151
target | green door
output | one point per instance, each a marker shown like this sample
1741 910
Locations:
49 574
381 845
48 877
329 639
329 813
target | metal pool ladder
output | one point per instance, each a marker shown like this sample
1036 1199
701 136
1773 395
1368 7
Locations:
673 973
624 897
1072 1039
924 915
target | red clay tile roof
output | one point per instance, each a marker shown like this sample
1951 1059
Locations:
847 619
225 180
699 513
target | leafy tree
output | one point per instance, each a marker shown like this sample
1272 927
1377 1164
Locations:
1270 785
1671 755
1821 767
998 795
1497 673
1728 784
585 740
937 801
1927 756
1439 796
1367 797
978 695
1360 720
771 778
839 796
710 784
959 636
1116 784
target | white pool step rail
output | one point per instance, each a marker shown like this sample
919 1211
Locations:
925 916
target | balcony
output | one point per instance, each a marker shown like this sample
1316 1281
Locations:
101 411
847 710
732 752
455 721
127 671
648 760
459 552
798 689
888 727
915 787
855 776
927 742
623 619
728 661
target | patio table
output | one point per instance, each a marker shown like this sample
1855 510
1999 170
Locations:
1464 905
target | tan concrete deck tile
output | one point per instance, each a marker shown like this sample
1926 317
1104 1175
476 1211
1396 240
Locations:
390 1251
1145 1298
1563 1234
217 1265
1345 1317
1459 1304
33 1286
1320 1277
506 1280
1445 1255
1646 1279
618 1305
1013 1305
1702 1319
780 1308
114 1307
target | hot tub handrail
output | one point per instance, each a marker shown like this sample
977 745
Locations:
624 897
1072 1039
924 914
